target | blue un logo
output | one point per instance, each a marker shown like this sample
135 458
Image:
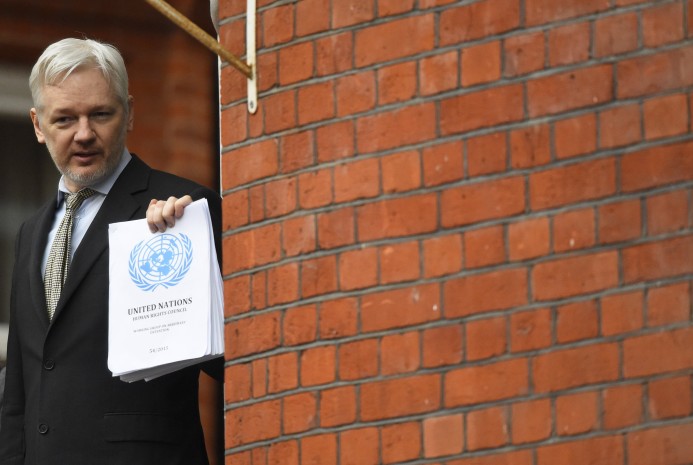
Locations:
161 261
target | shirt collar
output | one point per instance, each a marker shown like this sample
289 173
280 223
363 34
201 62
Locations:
103 187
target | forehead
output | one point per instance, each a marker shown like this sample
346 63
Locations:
83 87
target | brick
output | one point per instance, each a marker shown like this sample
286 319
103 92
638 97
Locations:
312 16
399 262
570 90
283 115
442 255
315 189
414 123
235 210
530 146
492 107
670 69
544 11
569 44
528 239
394 39
319 450
574 230
443 435
523 457
619 221
318 366
256 197
283 453
400 307
495 290
280 197
665 116
393 7
267 72
316 103
282 372
338 318
495 381
247 424
397 217
442 163
530 330
298 235
576 413
252 335
277 25
656 166
400 353
575 136
577 321
581 366
351 13
617 34
662 24
259 290
249 163
300 412
621 406
297 151
608 449
234 125
355 93
667 212
259 369
401 171
481 201
531 421
620 126
237 383
396 83
487 428
487 154
296 63
442 346
282 284
622 313
240 458
573 183
318 276
577 275
483 247
523 54
334 53
669 397
439 73
657 353
358 179
401 442
358 359
660 445
668 304
486 338
359 447
477 20
335 141
336 228
400 397
299 325
358 269
481 63
337 406
236 295
654 260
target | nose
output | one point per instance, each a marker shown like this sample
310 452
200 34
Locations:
85 132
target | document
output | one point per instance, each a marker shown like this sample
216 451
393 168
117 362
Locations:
165 296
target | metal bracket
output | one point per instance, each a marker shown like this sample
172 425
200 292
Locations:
248 69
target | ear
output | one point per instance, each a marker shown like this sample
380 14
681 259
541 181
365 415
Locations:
131 112
37 126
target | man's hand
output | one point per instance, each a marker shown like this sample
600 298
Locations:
162 214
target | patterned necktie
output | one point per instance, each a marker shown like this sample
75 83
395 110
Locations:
59 257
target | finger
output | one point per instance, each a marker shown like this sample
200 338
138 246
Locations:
169 211
155 217
181 204
151 213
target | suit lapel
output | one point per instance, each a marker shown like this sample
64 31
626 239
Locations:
119 205
39 238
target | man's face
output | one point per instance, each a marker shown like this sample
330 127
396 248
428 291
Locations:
84 126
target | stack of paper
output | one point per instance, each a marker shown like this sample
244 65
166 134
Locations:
165 296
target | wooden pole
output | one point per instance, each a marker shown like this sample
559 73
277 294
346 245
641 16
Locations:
208 41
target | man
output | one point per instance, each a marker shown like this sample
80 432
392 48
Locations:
62 405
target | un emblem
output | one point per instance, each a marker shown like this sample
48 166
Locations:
161 261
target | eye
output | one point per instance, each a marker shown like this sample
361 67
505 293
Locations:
102 115
62 120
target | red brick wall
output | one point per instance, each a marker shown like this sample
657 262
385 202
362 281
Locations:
460 233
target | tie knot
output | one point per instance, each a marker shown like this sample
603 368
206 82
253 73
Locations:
73 201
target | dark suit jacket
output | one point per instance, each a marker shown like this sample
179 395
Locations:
62 405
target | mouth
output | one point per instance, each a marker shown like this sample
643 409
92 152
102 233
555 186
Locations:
85 155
